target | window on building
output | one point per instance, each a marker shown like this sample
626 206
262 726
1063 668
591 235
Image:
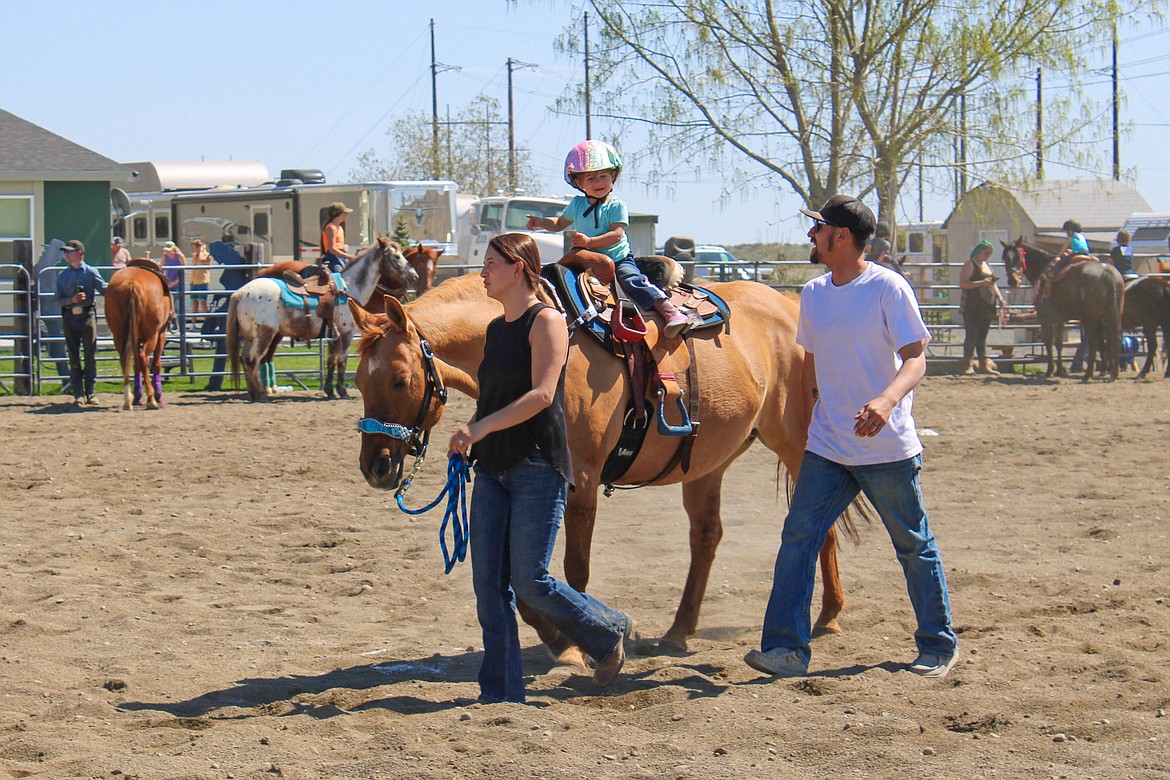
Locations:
162 227
15 224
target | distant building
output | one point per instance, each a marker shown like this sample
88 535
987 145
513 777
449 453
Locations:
50 188
1036 210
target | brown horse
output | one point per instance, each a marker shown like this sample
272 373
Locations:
749 388
1147 306
138 309
1090 292
425 261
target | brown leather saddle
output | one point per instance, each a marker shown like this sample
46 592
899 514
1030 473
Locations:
662 371
323 289
146 264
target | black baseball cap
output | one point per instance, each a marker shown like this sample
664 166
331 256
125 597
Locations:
848 212
75 246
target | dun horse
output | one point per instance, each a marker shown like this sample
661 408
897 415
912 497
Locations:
749 388
138 309
1087 291
257 319
1147 306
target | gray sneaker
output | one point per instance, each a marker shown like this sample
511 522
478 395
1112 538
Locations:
782 663
933 665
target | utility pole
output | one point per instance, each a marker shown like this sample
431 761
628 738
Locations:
512 65
588 108
434 108
962 143
1039 125
1116 113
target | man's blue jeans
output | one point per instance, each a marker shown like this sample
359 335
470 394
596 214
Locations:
823 491
514 521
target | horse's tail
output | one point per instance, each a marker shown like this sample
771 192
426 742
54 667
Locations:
130 336
233 339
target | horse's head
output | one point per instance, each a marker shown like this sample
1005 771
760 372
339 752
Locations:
1014 261
402 392
425 261
394 273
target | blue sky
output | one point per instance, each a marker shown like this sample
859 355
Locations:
311 84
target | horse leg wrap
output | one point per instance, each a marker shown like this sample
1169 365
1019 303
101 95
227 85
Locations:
137 387
156 381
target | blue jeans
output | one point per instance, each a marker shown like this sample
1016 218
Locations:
636 285
823 491
514 521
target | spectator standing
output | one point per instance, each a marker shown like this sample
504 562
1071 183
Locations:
865 351
119 254
173 260
200 276
77 289
981 300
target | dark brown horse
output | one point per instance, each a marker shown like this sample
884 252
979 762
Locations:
138 309
425 261
1147 306
1088 291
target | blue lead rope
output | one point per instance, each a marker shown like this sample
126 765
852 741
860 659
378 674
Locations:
455 491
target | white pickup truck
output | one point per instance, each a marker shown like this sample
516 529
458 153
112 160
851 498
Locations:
489 217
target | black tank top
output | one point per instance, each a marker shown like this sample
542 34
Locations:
504 375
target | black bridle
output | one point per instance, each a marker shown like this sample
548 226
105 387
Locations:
415 437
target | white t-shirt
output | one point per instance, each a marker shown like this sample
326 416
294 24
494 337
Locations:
854 332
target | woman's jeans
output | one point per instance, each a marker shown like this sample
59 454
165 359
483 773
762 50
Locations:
514 521
977 324
823 491
641 291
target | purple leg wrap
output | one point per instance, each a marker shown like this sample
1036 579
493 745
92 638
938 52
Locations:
156 380
137 387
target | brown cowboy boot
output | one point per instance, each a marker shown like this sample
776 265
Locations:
293 279
987 366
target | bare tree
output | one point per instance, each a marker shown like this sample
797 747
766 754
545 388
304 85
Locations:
473 151
828 95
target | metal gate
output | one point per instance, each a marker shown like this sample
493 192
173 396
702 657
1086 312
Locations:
17 342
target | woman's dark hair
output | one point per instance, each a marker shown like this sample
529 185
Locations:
1071 224
520 248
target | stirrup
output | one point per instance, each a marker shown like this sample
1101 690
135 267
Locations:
665 428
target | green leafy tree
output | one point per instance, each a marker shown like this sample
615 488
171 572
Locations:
473 151
824 96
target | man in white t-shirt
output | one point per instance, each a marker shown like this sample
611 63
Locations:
864 342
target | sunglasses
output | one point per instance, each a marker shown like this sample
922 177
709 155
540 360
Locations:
816 225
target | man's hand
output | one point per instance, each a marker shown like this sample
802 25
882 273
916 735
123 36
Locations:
873 416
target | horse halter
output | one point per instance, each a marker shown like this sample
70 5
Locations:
415 437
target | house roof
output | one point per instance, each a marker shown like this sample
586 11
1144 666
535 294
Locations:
26 148
1100 205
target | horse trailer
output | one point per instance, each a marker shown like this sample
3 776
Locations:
1149 236
285 219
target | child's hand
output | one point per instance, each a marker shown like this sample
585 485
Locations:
581 241
534 221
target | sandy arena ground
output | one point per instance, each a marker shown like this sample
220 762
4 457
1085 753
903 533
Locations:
212 591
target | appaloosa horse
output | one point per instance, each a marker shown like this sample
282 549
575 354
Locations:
749 388
425 261
257 319
138 310
1147 306
1088 291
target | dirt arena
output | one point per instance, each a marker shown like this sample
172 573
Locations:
212 591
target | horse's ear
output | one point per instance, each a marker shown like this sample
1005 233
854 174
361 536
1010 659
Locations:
1003 243
365 321
439 252
396 314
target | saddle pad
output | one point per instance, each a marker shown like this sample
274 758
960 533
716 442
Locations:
711 310
294 301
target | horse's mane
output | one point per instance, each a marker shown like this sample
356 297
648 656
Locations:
454 290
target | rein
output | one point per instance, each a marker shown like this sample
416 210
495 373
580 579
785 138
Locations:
455 491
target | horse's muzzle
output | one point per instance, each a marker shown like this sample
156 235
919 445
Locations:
382 470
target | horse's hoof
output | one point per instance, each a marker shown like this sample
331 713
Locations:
573 658
329 395
154 405
668 646
826 629
342 392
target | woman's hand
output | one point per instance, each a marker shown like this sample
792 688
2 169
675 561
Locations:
581 241
462 440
